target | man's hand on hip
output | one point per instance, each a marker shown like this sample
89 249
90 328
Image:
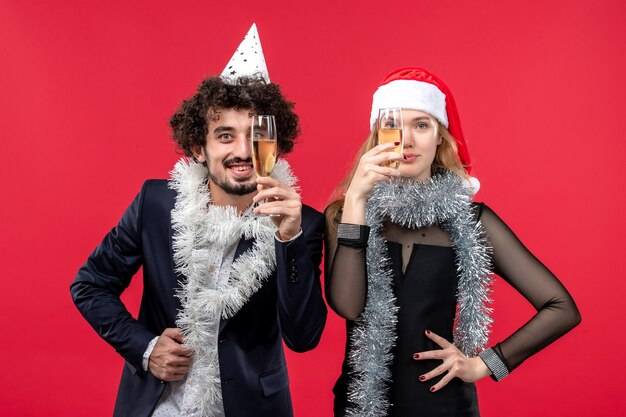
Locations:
170 359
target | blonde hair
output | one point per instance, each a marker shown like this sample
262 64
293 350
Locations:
446 157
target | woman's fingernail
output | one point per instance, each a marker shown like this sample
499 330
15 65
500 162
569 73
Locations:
432 389
416 356
427 331
422 378
396 143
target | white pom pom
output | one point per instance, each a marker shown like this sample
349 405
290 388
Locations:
474 184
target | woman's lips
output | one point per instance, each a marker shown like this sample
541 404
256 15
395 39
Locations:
410 157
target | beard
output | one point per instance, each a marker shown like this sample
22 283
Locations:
230 187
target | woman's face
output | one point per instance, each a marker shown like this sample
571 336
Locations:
420 144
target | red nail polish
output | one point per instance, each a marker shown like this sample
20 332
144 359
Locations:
416 356
432 389
396 143
427 331
422 378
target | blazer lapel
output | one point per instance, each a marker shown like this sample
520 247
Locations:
176 278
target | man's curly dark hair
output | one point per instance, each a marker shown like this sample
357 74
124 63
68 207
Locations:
190 122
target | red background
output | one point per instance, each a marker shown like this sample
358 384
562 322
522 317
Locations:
86 90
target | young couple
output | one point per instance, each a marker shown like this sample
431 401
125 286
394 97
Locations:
231 265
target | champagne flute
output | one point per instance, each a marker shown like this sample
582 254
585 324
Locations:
390 130
264 145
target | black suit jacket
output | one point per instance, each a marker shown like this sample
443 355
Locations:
288 307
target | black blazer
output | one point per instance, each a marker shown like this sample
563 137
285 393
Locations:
288 307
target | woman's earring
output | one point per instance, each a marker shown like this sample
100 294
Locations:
439 141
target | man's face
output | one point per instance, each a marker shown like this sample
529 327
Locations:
228 152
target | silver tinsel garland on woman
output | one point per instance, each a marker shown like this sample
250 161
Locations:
197 224
443 200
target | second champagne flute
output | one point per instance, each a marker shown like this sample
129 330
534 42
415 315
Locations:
264 144
390 130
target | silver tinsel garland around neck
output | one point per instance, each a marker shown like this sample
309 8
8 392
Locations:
197 224
443 200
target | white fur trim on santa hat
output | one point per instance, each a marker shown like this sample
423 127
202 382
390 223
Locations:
410 94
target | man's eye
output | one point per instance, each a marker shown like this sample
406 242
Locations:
225 136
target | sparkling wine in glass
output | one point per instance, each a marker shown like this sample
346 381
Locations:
390 130
264 145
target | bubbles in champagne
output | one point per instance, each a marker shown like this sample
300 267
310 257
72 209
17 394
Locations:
264 156
391 135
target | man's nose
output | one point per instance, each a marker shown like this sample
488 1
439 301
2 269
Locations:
243 146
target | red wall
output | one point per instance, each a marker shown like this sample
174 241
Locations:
86 90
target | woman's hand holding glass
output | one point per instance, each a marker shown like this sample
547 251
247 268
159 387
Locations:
368 173
378 164
372 169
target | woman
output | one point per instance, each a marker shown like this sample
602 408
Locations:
409 268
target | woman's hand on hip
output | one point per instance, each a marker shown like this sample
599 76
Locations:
455 363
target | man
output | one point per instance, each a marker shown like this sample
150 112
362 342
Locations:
223 285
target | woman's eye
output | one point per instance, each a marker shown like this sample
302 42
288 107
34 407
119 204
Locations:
422 125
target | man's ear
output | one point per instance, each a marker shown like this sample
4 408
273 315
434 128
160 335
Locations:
198 153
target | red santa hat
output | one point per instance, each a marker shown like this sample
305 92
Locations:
418 89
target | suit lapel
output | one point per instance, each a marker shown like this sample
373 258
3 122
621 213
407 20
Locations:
176 277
